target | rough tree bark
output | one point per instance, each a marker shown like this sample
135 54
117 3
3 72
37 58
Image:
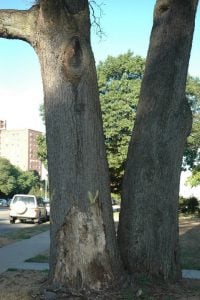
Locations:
148 227
83 251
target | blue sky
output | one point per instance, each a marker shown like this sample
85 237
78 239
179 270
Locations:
127 25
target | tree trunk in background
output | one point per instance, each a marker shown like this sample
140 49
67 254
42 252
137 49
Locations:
83 251
148 227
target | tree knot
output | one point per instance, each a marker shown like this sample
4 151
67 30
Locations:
73 60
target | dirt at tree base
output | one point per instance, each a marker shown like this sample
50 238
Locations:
21 284
29 285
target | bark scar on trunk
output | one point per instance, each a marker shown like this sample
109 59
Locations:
82 260
162 6
73 60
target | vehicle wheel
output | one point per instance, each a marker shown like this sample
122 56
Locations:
12 220
46 218
39 220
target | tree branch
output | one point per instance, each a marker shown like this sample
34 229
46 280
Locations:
96 19
18 24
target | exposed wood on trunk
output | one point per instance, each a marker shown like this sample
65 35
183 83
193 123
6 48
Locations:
82 243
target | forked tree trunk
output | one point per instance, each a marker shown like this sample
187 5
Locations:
83 251
148 227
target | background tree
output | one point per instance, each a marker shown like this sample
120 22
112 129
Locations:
29 181
191 154
83 250
192 151
194 179
8 178
42 149
148 227
15 181
119 80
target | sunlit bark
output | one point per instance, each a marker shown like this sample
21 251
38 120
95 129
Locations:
83 250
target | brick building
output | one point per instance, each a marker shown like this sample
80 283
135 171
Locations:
20 148
2 124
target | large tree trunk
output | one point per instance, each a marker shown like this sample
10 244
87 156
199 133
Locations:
83 251
148 227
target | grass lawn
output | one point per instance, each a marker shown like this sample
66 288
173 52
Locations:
189 229
40 258
22 233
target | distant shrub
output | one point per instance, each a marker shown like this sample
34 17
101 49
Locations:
188 205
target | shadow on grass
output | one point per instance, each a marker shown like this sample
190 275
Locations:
190 247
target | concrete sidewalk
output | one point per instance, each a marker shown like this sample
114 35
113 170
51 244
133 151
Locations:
191 274
14 255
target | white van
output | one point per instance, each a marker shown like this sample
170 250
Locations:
27 207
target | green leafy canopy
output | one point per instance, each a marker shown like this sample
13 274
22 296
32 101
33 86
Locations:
13 180
119 80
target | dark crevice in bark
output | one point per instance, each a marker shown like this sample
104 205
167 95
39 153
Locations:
51 10
73 61
77 55
74 7
163 8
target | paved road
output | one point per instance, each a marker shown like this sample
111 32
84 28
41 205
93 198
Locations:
5 225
